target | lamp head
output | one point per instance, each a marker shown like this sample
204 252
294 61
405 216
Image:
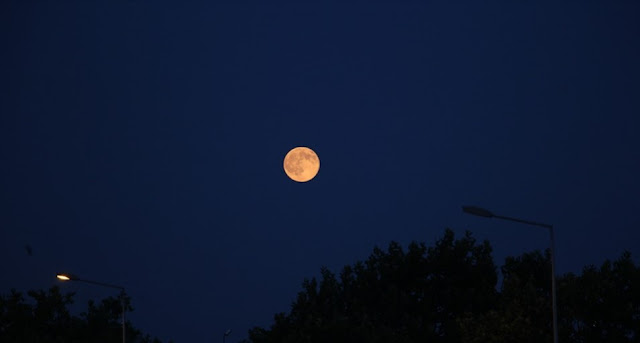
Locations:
227 333
477 211
65 277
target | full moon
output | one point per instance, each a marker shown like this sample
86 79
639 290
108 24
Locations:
301 164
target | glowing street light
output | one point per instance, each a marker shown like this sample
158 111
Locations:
481 212
71 277
63 277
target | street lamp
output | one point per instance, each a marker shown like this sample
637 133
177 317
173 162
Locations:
226 333
71 277
481 212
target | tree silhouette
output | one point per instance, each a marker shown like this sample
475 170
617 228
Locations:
393 296
448 293
46 319
604 303
522 312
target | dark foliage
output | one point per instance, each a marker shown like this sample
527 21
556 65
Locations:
448 293
394 296
44 318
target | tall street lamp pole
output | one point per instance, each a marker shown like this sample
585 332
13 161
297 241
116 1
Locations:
481 212
70 277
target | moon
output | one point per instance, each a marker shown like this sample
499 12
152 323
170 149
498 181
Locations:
301 164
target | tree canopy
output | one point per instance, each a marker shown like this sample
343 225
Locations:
44 317
450 293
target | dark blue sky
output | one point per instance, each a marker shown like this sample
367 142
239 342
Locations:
141 144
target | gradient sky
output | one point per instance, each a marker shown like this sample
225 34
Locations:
141 143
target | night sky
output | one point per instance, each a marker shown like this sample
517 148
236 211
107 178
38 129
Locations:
142 143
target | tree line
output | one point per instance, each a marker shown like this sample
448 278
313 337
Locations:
448 292
44 317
